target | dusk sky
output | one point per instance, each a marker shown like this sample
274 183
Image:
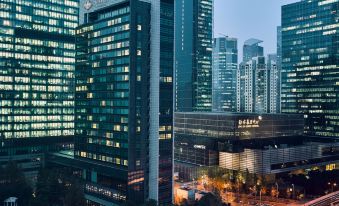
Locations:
246 19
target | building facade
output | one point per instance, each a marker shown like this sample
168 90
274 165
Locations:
285 156
264 144
166 101
225 64
310 65
193 55
124 100
37 56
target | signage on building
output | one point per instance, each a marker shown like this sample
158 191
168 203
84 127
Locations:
249 123
199 146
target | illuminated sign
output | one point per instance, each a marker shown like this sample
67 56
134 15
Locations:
330 167
249 123
199 146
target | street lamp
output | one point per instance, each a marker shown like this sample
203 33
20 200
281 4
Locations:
255 192
293 195
226 186
260 197
332 185
193 184
276 184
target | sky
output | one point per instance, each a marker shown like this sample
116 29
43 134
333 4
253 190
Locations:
244 19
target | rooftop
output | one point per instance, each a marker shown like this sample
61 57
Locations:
252 41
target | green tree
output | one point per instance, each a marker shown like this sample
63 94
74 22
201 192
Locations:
74 195
151 203
129 203
210 199
247 177
14 184
49 189
56 187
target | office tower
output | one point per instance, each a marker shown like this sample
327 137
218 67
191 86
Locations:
124 81
225 64
310 67
37 55
252 49
273 84
193 55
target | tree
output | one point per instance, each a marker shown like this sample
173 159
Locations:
14 184
274 191
247 178
209 199
129 203
75 195
55 187
49 188
151 203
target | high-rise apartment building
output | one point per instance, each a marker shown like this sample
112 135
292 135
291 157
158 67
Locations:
225 64
258 80
279 47
124 73
193 55
273 84
37 56
252 86
277 106
310 67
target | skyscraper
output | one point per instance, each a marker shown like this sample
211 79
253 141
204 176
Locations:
166 101
310 67
252 49
37 55
124 81
225 64
193 55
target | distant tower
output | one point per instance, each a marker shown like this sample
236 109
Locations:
225 63
252 79
252 49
